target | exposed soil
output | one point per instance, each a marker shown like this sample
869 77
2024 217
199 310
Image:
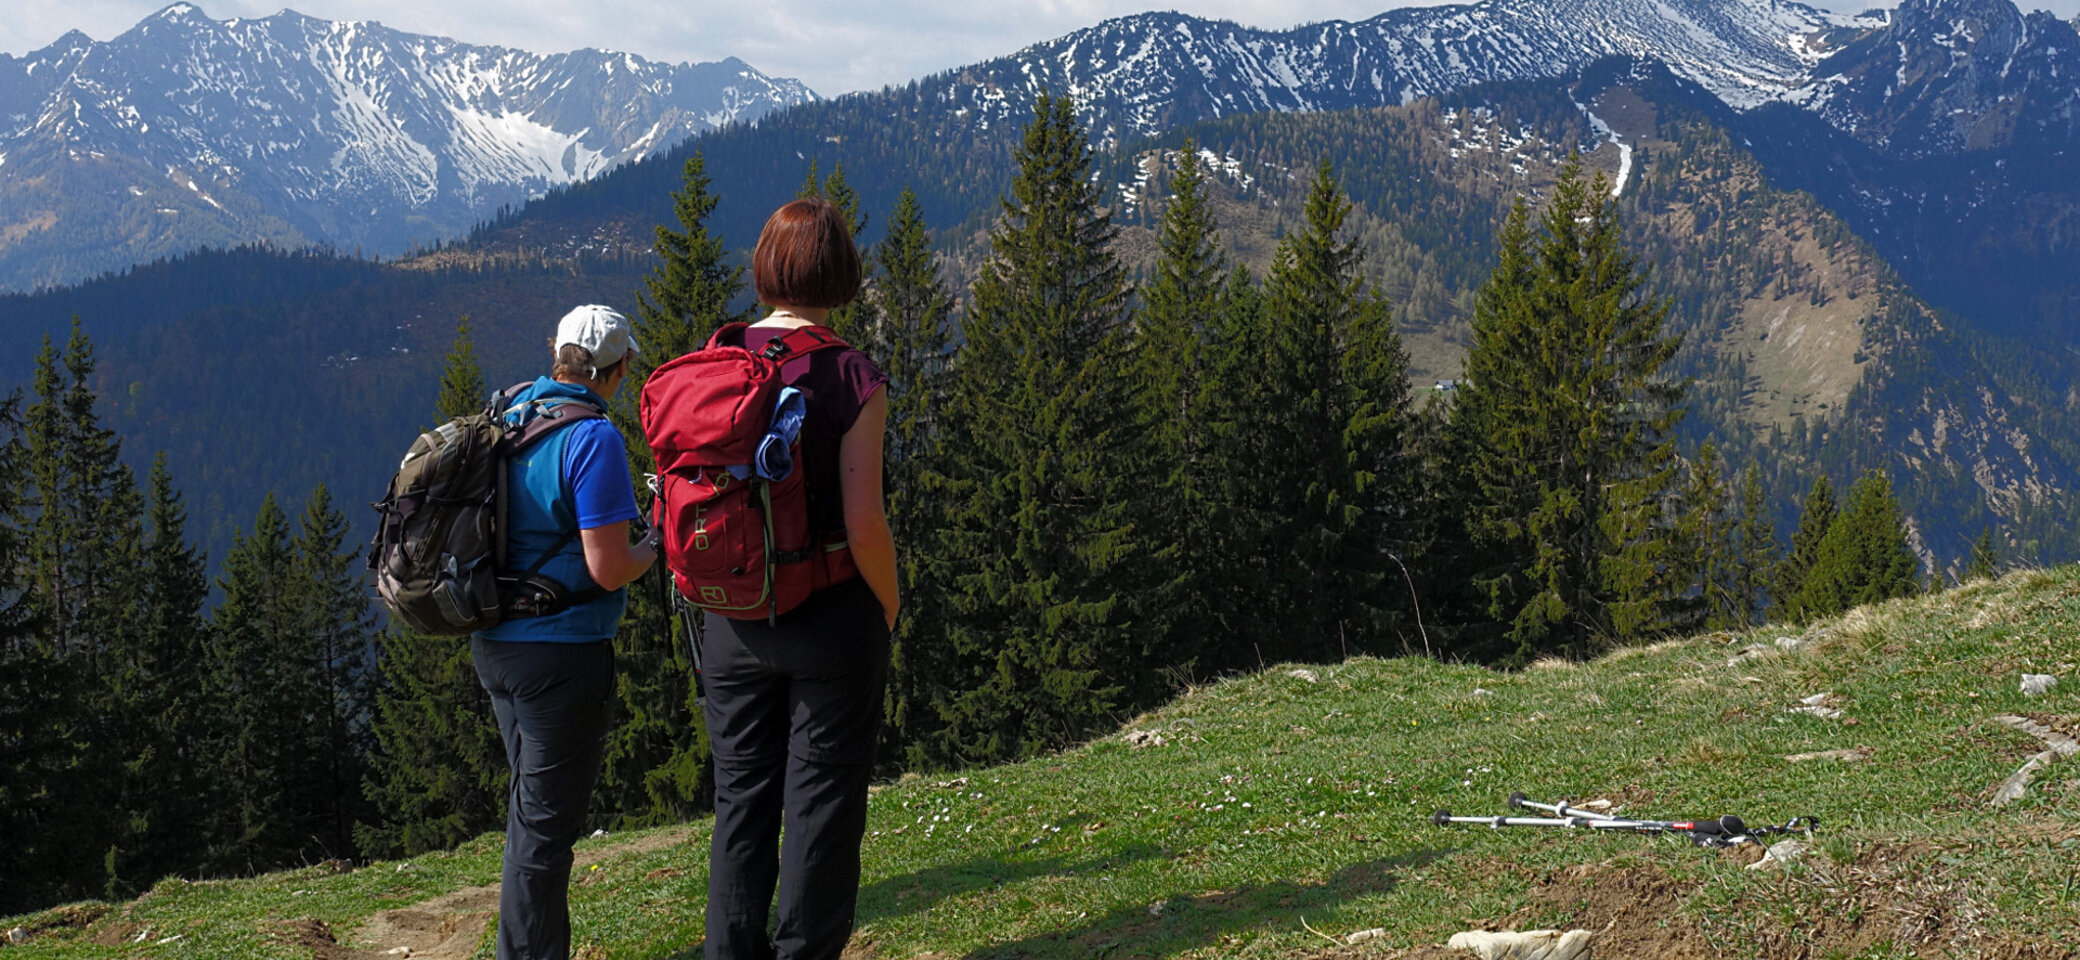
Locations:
447 927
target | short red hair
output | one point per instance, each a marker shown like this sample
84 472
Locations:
805 257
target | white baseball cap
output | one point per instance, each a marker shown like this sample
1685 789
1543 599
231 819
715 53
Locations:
599 329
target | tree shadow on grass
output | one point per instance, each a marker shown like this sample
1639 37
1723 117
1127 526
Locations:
924 889
1187 921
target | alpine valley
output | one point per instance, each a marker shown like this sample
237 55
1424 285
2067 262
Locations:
1868 224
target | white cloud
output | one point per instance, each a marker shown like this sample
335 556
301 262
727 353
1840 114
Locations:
836 46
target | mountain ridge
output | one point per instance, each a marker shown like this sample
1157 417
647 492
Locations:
342 133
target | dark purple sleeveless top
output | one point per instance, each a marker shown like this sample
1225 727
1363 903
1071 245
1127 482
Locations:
836 384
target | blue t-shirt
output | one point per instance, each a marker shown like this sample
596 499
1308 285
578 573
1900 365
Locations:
574 479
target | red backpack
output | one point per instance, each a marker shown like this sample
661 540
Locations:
737 542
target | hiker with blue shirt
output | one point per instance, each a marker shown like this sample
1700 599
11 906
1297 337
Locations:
569 502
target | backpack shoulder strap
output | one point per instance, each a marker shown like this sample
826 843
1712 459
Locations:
804 340
565 413
729 334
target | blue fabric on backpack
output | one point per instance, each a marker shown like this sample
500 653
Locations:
574 479
775 457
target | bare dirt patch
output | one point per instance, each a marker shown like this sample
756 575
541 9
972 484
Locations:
450 926
444 928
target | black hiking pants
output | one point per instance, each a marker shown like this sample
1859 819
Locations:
794 713
554 702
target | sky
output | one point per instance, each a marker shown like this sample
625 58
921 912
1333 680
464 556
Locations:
835 46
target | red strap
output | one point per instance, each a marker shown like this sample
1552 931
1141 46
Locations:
797 341
806 340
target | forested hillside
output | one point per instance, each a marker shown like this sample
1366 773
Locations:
1106 487
1775 294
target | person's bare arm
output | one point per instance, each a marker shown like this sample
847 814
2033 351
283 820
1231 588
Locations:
609 558
866 519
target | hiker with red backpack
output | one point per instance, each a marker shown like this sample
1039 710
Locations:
768 444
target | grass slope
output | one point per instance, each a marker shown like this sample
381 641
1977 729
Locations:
1288 809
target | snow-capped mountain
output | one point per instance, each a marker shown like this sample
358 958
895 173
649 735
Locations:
1947 76
1140 74
337 132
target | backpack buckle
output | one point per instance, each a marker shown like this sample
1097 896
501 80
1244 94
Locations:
775 348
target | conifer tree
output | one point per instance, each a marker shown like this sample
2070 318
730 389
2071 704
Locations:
22 684
1865 557
915 309
1170 394
1562 429
267 750
1817 515
438 773
1332 479
1757 553
691 290
333 630
656 756
166 775
1703 587
1039 542
1985 562
83 564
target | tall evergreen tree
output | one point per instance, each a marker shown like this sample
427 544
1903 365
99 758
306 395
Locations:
23 658
164 780
268 750
1985 561
1332 495
1704 591
1170 391
1865 556
438 774
915 308
1561 429
334 624
1039 542
1816 516
1757 551
83 562
656 757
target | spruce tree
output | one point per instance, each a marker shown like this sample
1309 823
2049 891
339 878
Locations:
691 290
1757 553
438 773
167 774
1333 475
267 751
1170 393
333 634
1985 562
83 562
915 308
22 684
1039 541
1562 429
1865 556
1703 589
1817 515
656 756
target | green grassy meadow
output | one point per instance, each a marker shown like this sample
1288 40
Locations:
1275 815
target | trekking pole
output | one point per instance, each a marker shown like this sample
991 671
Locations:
1725 831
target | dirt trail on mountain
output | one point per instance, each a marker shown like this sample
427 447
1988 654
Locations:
447 927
